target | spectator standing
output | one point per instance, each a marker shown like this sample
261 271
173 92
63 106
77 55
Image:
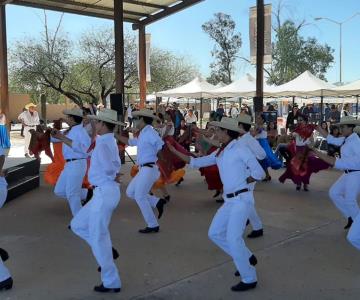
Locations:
190 118
4 136
292 117
335 115
220 112
30 119
129 114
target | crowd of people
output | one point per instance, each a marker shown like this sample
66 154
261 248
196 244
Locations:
232 153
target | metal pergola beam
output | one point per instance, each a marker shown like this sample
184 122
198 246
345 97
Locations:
141 3
71 11
166 12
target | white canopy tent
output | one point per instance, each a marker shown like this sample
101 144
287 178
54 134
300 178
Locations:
197 88
244 87
305 85
351 89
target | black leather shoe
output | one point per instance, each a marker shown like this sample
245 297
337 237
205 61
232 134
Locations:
179 182
160 207
149 229
220 200
255 234
349 223
241 286
6 284
252 261
217 194
115 255
4 255
101 289
298 187
69 227
89 195
167 198
247 222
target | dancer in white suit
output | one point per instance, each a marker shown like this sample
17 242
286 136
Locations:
69 184
238 168
247 140
6 282
148 143
92 221
345 190
30 119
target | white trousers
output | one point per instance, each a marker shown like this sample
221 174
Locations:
139 189
227 229
4 272
3 191
344 193
354 233
92 225
27 138
254 218
70 182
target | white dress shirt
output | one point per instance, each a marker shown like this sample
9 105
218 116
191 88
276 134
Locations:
29 119
148 145
80 143
253 145
350 146
299 141
235 164
190 119
105 161
262 134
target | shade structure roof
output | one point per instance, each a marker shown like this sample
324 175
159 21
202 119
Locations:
139 12
351 89
305 85
244 87
197 88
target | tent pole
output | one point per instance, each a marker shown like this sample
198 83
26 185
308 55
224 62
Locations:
321 108
293 102
201 112
357 106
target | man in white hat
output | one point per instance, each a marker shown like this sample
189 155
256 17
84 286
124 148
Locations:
148 145
92 221
6 281
247 140
238 167
345 190
76 142
30 119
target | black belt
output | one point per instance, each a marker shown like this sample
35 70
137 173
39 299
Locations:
149 165
232 195
73 159
350 171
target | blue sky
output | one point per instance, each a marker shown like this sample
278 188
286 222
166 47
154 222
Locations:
182 34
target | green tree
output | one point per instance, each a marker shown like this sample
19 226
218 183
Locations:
221 29
292 54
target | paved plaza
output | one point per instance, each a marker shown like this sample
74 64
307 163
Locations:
303 254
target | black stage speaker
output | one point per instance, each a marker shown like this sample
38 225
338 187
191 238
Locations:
117 103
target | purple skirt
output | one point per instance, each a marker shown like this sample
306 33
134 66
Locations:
314 165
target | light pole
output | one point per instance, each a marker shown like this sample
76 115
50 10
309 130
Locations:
340 31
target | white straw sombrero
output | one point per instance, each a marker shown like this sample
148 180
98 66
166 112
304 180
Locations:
108 116
348 120
245 119
74 112
27 106
145 113
227 123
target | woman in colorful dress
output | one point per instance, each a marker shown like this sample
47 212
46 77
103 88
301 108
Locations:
303 163
4 136
271 161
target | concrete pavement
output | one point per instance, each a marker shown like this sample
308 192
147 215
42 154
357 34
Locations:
303 254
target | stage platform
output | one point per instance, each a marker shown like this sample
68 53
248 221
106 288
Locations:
22 175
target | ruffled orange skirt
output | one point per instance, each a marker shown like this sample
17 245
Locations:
53 171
